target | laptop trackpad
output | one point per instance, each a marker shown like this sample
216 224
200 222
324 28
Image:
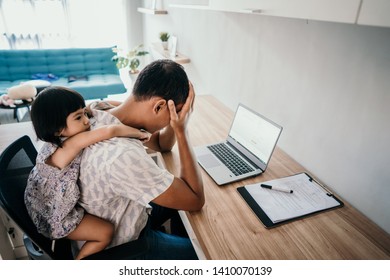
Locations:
209 161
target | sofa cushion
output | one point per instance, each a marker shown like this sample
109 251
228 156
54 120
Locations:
95 87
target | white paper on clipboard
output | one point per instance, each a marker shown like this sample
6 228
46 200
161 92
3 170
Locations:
307 197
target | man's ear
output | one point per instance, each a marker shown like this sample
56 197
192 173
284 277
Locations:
159 105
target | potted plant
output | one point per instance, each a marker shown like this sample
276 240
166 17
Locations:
123 59
164 36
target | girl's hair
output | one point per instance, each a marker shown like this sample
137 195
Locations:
51 108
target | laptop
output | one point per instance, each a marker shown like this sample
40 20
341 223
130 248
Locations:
245 153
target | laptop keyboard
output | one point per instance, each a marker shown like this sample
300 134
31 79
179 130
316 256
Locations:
230 159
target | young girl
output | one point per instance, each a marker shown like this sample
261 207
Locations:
60 119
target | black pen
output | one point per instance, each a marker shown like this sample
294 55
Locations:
276 188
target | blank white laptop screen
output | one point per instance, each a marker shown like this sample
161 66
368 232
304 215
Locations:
255 133
252 137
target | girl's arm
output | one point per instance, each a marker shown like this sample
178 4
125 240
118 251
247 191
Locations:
75 144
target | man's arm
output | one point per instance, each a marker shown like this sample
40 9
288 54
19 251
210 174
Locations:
186 192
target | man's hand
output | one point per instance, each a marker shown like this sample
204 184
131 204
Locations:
164 140
180 119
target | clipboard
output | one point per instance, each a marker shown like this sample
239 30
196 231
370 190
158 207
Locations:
309 197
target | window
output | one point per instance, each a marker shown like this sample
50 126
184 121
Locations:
27 24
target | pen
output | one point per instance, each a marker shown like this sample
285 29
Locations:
276 188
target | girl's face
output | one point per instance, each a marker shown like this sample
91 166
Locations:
76 122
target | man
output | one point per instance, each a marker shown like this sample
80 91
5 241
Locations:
118 179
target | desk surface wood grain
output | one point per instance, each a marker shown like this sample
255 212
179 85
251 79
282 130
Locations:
226 227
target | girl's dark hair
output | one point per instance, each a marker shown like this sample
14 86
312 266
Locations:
163 78
51 108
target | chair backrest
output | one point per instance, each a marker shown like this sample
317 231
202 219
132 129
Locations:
16 162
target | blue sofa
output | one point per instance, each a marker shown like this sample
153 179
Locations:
96 75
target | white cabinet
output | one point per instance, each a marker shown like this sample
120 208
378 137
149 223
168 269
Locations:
364 12
345 11
375 12
6 250
15 235
326 10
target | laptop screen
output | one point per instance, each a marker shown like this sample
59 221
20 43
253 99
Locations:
255 132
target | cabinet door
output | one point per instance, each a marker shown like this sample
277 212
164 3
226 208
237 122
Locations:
15 236
327 10
14 233
375 12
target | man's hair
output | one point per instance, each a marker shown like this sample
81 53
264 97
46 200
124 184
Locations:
50 110
163 78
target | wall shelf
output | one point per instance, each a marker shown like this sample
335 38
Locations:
159 53
208 8
195 7
152 11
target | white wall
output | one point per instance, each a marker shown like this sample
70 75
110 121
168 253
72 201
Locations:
134 23
327 84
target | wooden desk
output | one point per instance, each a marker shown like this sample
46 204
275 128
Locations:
226 228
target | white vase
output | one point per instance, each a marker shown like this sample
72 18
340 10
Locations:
133 76
165 45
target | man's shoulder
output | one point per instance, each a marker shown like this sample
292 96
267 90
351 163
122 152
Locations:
101 105
115 148
102 118
99 116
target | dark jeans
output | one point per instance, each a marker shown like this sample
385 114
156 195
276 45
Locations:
161 214
163 246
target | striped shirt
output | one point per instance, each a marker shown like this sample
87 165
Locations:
118 179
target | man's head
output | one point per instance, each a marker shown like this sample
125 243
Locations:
147 106
162 78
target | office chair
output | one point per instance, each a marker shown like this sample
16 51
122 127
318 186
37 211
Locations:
16 162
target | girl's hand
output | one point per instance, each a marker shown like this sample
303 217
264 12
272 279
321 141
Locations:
144 136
